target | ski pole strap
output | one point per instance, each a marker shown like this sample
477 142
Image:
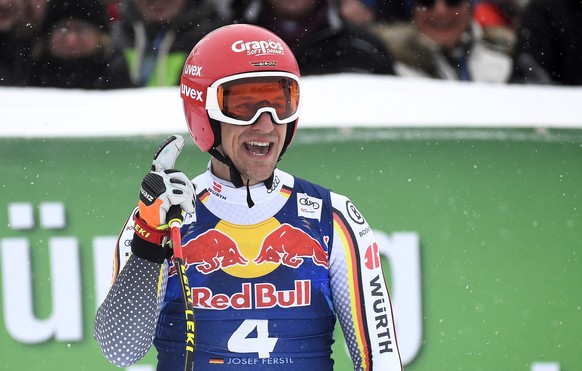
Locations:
147 233
148 243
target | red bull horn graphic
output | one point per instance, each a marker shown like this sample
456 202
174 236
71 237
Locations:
289 245
211 251
252 251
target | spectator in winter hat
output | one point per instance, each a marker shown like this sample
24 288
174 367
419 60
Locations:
444 42
76 49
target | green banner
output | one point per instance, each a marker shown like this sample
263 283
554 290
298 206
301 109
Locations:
479 228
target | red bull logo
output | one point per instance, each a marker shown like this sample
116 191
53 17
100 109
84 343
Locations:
211 251
289 246
254 251
257 296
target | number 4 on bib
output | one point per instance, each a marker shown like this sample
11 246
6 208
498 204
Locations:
240 342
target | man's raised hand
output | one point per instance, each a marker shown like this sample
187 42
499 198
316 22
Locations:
164 186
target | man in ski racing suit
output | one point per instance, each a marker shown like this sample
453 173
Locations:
272 260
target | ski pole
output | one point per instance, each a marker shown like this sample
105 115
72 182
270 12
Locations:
175 219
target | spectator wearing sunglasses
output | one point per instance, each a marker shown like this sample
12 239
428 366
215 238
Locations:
444 42
549 45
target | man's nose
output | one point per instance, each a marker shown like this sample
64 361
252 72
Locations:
264 122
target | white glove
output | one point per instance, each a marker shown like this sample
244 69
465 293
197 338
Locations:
164 187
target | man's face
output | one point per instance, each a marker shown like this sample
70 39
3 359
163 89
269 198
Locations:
441 23
253 149
159 11
74 38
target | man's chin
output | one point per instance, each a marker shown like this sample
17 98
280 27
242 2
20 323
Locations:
258 176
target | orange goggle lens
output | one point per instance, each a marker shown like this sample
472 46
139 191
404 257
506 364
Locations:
242 99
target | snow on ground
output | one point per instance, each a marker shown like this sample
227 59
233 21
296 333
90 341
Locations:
347 100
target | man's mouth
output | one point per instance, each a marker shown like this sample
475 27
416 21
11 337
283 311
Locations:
258 148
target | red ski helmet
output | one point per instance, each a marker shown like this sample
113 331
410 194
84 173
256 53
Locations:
232 53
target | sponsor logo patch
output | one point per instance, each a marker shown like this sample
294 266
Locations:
254 296
192 70
191 93
258 47
308 207
354 214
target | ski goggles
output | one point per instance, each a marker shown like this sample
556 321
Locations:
242 98
430 3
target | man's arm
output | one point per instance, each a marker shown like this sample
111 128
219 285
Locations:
360 293
126 320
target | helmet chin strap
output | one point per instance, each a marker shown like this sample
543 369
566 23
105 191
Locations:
236 177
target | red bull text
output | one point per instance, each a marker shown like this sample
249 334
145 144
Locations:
257 296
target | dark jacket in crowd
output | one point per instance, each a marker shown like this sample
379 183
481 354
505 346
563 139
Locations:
549 44
14 60
324 43
105 69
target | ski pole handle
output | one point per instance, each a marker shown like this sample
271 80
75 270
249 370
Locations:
174 215
174 218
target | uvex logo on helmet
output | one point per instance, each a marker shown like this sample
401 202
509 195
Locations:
191 70
258 47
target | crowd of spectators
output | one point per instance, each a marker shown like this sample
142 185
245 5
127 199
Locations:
93 44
